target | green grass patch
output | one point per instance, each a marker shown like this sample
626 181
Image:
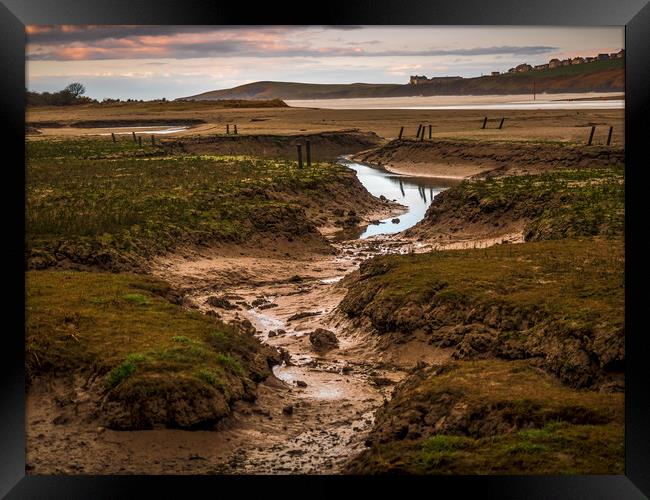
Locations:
111 205
81 322
496 417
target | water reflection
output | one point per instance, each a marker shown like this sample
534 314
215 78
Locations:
414 192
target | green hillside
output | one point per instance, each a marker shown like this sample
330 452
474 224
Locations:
600 76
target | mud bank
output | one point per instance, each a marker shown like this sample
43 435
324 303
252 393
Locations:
325 146
460 159
493 417
553 205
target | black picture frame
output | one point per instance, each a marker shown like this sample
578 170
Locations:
633 14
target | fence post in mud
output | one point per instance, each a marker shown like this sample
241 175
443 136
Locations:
418 132
401 131
235 131
501 123
153 140
308 151
484 122
609 135
134 139
140 140
429 131
591 135
299 147
422 133
227 129
113 137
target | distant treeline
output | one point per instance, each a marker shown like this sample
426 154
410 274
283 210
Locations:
61 98
71 95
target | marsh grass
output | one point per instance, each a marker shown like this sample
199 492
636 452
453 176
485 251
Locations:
97 202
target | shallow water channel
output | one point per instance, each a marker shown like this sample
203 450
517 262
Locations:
416 193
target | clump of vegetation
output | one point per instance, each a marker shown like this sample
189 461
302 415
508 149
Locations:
158 362
563 203
494 417
72 94
124 370
114 205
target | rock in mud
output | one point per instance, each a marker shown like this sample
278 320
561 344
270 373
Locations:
220 302
285 356
301 383
302 315
395 220
381 381
288 410
267 306
323 340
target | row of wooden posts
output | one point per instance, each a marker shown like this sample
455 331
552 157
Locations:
485 120
307 151
421 129
419 134
593 131
136 138
228 129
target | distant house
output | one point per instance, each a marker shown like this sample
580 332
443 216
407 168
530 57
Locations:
590 59
603 57
578 60
495 73
566 62
620 54
523 68
512 70
415 79
540 67
554 63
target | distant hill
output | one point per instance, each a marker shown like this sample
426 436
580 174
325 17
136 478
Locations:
600 76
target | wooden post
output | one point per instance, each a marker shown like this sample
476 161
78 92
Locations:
418 132
308 151
484 122
501 123
422 133
609 135
113 137
140 140
299 155
591 135
153 140
429 131
401 131
134 139
235 126
227 129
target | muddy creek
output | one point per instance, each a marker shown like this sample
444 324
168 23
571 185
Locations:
416 193
315 413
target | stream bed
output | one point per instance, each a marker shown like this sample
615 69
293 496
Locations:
416 193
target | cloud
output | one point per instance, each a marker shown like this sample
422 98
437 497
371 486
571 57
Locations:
246 44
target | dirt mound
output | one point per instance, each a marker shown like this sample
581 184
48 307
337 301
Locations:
487 415
324 145
511 301
499 158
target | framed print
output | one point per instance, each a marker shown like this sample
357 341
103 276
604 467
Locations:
372 246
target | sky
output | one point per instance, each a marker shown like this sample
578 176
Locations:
151 62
